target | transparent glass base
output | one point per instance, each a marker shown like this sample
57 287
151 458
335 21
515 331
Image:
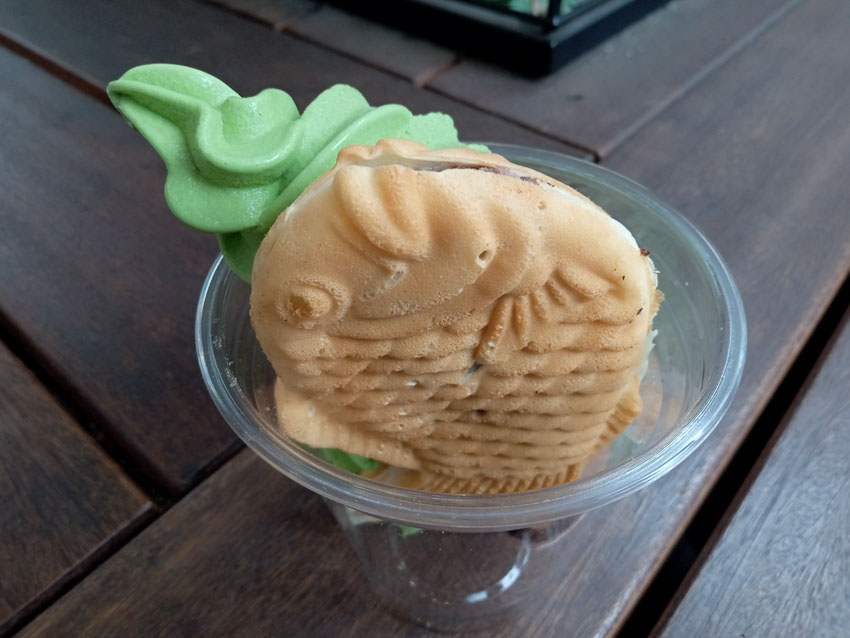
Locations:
454 580
480 557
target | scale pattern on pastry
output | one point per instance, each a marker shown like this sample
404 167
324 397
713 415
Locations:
448 312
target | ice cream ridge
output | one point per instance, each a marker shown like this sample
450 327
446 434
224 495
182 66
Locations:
435 314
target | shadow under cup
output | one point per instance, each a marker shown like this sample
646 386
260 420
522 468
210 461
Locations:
460 561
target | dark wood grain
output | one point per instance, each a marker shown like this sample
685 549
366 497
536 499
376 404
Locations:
378 45
246 55
757 163
248 553
85 220
278 14
599 99
382 47
98 278
743 155
63 502
780 568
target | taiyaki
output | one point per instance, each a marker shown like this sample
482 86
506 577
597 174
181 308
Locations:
473 323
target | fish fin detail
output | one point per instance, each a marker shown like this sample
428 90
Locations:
494 332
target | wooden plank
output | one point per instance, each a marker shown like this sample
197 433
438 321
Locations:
780 568
375 44
600 98
98 278
278 14
65 505
119 276
719 165
759 166
272 559
252 566
379 46
246 55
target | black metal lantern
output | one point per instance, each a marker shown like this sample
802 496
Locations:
534 37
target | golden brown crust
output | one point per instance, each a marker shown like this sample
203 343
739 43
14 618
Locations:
448 312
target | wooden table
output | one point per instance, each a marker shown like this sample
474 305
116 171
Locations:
130 509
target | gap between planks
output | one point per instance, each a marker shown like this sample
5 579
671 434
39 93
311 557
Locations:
676 94
87 417
669 584
666 590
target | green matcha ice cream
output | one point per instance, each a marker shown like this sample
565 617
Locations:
234 164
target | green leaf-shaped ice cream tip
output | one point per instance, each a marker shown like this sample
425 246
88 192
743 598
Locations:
235 164
224 153
338 117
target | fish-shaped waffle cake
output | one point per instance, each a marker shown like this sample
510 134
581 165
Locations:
475 323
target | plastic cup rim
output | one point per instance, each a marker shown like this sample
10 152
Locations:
491 512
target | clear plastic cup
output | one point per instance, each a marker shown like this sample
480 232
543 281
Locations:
463 561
